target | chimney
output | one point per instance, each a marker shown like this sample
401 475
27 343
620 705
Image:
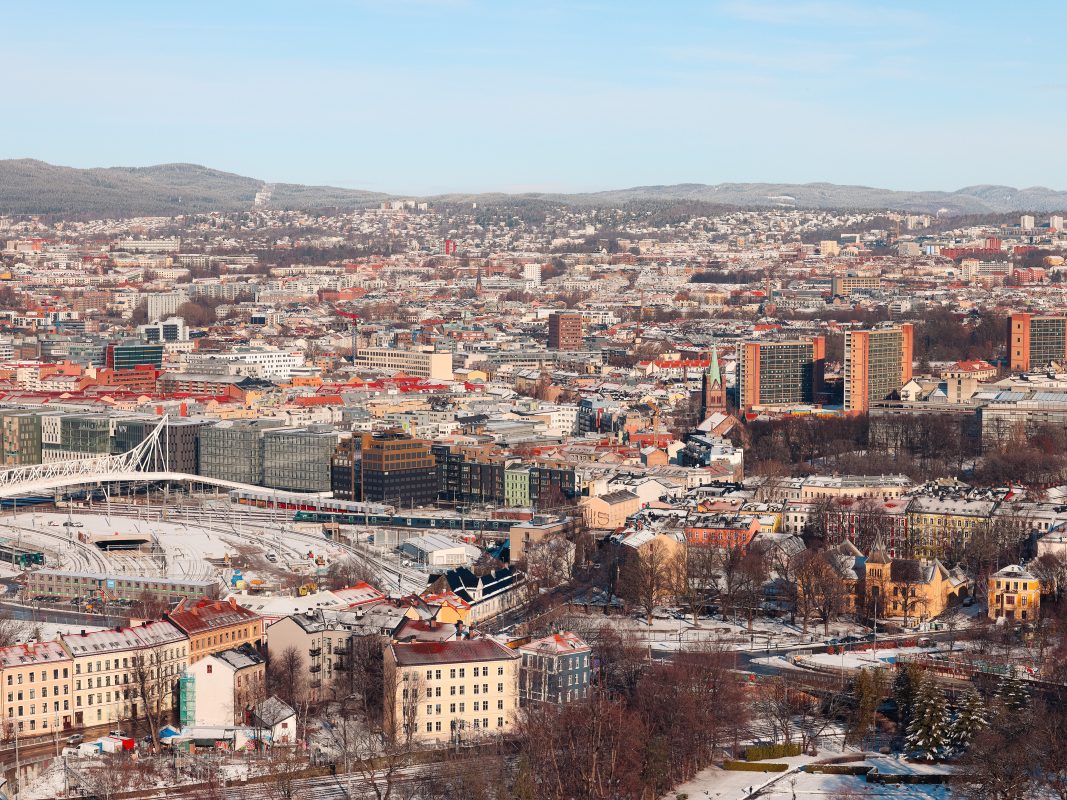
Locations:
233 602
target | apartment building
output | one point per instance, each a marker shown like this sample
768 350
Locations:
780 373
418 363
845 285
35 694
556 669
878 363
940 526
565 331
216 625
450 691
222 688
1014 594
1036 341
110 667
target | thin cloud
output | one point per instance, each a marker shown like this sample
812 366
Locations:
853 15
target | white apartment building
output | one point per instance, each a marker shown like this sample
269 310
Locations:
171 245
164 304
255 362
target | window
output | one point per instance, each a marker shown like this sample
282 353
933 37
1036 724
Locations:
452 708
429 727
499 670
500 722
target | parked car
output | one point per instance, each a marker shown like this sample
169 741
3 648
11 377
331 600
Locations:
76 739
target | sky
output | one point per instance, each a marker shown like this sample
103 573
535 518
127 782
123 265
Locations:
433 96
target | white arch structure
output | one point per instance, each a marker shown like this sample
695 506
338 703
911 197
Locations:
137 465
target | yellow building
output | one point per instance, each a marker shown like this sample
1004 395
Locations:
1014 595
466 689
938 526
914 590
112 666
610 510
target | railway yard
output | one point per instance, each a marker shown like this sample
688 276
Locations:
195 537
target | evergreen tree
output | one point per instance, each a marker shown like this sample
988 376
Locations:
970 718
929 728
1014 694
869 689
905 686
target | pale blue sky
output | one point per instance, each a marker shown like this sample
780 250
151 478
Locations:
426 96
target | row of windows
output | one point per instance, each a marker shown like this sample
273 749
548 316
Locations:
432 709
44 676
432 727
12 696
33 710
436 691
435 674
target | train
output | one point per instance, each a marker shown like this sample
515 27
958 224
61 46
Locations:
412 519
295 501
314 508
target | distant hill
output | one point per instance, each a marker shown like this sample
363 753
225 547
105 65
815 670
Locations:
970 200
28 186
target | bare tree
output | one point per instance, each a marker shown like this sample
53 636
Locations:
648 576
698 578
907 575
287 676
822 587
348 571
154 680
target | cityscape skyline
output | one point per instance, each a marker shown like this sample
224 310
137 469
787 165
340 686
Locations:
452 96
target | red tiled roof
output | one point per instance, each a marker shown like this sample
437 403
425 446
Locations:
206 615
457 652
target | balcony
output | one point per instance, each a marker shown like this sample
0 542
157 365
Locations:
341 666
340 650
316 668
315 652
315 684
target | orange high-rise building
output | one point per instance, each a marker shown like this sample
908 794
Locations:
780 372
878 363
1035 342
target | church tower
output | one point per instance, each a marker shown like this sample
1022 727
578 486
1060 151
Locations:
713 393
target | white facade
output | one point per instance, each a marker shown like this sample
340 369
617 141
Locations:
164 304
263 362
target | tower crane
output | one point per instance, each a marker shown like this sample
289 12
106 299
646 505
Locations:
353 327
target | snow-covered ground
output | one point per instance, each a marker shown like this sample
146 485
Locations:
723 784
673 633
720 784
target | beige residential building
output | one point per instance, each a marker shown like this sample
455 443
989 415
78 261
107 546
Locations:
109 665
444 691
418 363
610 510
36 698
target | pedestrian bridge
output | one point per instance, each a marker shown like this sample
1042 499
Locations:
146 463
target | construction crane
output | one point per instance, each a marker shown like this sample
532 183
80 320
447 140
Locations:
353 327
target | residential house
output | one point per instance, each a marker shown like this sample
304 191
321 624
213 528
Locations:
440 692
